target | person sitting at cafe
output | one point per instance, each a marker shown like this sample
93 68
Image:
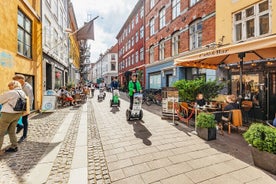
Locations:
200 101
231 105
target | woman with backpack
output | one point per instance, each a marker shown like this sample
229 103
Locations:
9 116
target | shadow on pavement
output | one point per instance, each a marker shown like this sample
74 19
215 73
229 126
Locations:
141 131
42 115
114 110
28 156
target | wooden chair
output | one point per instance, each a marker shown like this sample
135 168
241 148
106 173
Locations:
77 98
183 112
234 120
246 107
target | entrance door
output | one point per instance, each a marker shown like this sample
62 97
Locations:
169 80
272 95
48 76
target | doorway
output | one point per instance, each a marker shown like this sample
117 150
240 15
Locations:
48 76
169 80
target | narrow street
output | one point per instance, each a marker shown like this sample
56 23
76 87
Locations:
94 143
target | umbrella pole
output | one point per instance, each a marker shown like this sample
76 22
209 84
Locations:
241 69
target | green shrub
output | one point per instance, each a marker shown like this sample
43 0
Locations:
261 137
205 120
188 89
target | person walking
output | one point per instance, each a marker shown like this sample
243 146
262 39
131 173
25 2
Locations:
28 89
9 117
134 86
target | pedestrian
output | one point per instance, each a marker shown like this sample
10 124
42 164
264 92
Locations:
114 83
28 89
134 86
9 117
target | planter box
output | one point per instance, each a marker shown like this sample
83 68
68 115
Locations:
264 160
207 133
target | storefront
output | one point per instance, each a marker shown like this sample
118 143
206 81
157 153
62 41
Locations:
251 70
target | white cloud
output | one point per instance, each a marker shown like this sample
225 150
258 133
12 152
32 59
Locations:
112 15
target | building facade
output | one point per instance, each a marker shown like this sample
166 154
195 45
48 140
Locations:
55 43
21 44
106 67
131 46
174 28
74 49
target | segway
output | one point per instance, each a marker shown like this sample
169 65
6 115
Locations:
136 112
101 95
115 101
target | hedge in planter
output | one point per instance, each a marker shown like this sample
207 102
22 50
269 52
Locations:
206 126
262 138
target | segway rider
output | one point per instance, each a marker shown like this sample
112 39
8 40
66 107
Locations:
114 83
133 87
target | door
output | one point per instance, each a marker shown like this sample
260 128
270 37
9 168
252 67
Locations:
48 76
272 95
169 80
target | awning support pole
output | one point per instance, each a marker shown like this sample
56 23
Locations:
241 56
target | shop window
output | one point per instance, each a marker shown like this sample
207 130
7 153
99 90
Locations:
251 22
24 35
195 32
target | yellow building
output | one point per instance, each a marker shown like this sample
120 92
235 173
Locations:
21 44
74 52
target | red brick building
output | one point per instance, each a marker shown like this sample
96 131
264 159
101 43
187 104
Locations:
131 44
174 28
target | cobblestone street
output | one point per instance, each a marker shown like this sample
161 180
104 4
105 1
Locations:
93 143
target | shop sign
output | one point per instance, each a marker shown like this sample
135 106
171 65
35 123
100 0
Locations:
214 53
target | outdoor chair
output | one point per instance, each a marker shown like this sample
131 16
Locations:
234 120
77 98
246 107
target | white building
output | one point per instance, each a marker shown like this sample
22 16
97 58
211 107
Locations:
106 67
55 43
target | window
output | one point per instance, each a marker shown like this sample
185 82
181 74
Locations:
55 40
132 59
193 2
24 35
175 8
132 41
61 18
49 2
47 32
113 57
151 54
142 54
136 37
137 18
55 9
252 22
151 26
142 12
161 49
175 44
195 32
151 4
136 57
141 32
132 24
113 66
162 18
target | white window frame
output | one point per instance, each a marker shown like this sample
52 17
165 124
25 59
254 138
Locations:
47 35
151 53
136 37
142 53
175 8
162 50
256 18
142 12
137 18
175 44
136 57
142 32
24 40
162 18
193 2
152 3
196 34
151 25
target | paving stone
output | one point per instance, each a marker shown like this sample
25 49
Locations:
179 179
155 175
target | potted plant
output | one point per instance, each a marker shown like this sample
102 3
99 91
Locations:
206 126
262 139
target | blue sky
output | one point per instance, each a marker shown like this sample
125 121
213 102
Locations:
112 15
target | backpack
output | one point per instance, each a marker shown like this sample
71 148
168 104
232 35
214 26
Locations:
21 104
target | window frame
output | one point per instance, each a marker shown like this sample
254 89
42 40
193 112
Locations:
151 26
151 54
162 50
162 18
142 54
197 34
152 3
25 33
175 43
175 8
193 2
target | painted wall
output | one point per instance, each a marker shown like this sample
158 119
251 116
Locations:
224 11
10 61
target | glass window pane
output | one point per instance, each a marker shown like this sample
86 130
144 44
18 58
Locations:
199 40
199 26
20 35
238 32
250 11
27 51
250 28
28 25
27 39
264 24
238 16
20 19
263 6
20 47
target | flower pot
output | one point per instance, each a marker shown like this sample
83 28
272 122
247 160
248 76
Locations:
264 160
207 133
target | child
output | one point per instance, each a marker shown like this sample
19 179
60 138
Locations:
133 87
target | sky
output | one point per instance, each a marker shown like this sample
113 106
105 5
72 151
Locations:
112 15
